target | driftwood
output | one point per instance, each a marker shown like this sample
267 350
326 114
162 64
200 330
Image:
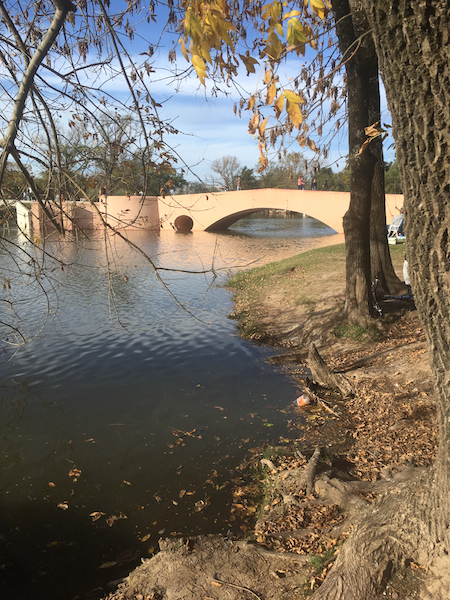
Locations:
268 463
288 357
315 398
307 479
322 373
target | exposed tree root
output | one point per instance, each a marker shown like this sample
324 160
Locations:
385 537
387 533
307 481
325 376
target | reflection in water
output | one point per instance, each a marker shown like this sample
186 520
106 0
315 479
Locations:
128 405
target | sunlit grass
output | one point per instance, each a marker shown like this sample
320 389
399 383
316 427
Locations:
296 281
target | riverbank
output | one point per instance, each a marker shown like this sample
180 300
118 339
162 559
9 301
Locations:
367 441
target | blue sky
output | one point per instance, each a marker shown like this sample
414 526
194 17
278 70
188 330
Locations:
208 127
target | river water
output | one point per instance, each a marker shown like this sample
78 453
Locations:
127 413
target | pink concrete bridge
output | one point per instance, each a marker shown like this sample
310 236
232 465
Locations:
212 211
217 211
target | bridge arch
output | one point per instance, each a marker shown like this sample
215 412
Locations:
226 222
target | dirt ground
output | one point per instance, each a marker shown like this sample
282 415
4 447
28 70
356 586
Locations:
367 442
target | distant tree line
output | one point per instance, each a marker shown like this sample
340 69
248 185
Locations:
98 154
107 161
283 174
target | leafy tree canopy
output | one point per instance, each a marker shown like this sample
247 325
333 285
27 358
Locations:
392 179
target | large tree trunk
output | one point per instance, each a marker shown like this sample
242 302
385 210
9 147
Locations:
413 46
380 257
360 71
367 249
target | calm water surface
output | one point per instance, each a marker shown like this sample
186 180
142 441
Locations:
128 404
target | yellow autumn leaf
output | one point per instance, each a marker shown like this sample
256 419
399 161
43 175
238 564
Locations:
363 147
223 27
222 4
302 141
274 47
249 63
254 123
264 162
297 33
312 145
210 20
293 97
319 7
192 24
294 114
266 12
215 36
204 50
251 103
279 105
267 76
199 65
291 14
183 49
262 127
277 8
271 93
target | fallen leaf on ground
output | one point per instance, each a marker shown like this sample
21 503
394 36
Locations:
107 565
96 515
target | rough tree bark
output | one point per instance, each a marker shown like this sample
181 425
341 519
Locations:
413 45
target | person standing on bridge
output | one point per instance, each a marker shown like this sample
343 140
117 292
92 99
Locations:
314 185
325 186
300 183
239 185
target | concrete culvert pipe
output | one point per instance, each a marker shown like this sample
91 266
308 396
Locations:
183 223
